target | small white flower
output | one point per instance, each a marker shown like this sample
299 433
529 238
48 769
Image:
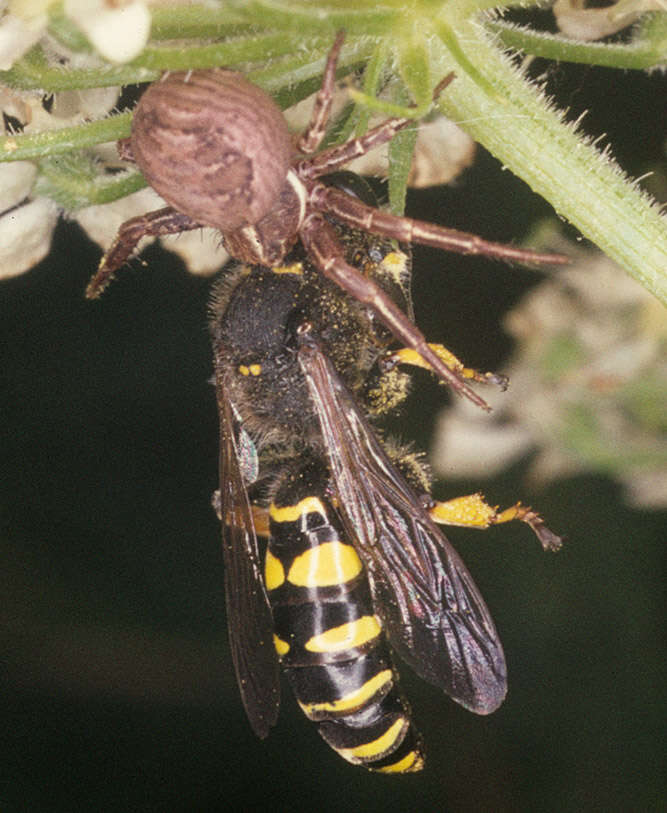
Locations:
118 32
18 35
16 181
25 236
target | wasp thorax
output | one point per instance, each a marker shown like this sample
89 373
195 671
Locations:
213 145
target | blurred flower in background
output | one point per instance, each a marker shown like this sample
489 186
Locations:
588 382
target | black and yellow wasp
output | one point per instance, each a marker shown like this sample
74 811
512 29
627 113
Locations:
354 561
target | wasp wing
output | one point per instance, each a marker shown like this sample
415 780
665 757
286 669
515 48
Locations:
431 609
249 620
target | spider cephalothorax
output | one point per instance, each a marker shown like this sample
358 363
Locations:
218 150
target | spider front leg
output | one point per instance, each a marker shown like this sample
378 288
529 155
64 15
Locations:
336 157
350 210
154 224
124 147
322 245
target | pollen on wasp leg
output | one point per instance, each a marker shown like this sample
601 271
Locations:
472 511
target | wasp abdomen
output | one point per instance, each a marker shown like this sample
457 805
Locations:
327 635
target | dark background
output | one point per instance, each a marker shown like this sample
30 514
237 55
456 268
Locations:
121 693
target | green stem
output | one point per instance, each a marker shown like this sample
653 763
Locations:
179 22
357 19
64 139
640 54
33 72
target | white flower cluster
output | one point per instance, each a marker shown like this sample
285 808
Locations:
118 32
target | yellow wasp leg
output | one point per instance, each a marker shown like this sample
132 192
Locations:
408 356
474 512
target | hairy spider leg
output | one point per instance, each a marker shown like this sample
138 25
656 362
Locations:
337 156
351 210
153 224
321 243
312 136
333 158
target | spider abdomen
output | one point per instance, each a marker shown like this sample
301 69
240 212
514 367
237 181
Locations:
213 145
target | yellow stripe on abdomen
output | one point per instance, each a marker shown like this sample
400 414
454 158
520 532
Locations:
325 565
274 572
351 635
290 513
376 748
411 763
281 647
352 701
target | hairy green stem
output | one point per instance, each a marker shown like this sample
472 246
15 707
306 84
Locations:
640 54
64 139
517 124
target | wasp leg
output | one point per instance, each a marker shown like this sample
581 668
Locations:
154 224
407 355
260 518
260 515
473 511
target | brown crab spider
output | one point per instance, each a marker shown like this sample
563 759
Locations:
217 149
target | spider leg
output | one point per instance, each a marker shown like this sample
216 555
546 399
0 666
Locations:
322 245
351 210
335 157
312 136
154 224
124 147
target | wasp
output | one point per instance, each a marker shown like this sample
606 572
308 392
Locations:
355 566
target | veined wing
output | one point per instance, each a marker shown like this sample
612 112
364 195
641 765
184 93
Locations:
434 615
249 620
